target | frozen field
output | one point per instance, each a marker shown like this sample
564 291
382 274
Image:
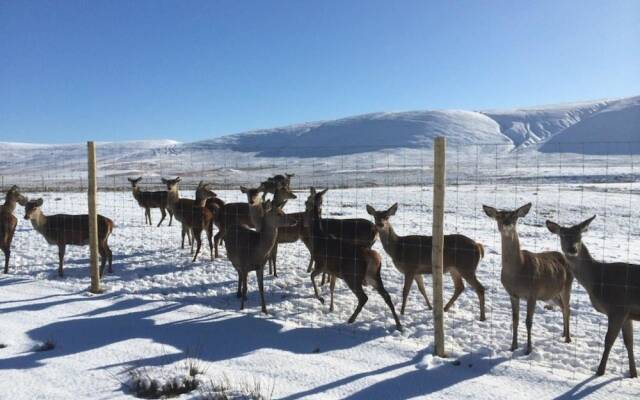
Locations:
160 308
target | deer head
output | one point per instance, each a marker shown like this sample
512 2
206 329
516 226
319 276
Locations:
134 181
253 194
570 237
14 195
172 184
31 208
381 218
507 220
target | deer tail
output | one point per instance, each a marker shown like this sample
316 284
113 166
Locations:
480 250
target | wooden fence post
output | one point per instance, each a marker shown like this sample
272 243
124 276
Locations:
93 219
437 249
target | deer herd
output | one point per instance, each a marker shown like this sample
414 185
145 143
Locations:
342 248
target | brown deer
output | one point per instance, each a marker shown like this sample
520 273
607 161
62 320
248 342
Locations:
411 256
248 250
355 265
8 222
532 276
200 218
149 200
181 208
64 229
238 214
614 288
271 185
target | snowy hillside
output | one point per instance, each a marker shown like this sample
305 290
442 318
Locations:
371 149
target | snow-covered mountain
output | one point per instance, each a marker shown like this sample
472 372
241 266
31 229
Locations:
374 145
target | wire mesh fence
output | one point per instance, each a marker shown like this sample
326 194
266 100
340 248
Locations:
149 262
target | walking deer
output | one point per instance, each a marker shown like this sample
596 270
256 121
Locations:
530 276
8 222
411 256
355 265
248 250
613 288
149 200
64 229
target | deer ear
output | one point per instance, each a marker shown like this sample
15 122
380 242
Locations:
584 225
39 202
323 192
553 227
490 211
243 189
524 210
370 210
178 179
131 180
392 210
163 180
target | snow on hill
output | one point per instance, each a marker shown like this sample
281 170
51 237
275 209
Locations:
370 149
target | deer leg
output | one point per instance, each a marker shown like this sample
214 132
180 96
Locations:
458 288
323 280
110 254
183 233
627 336
217 239
164 214
315 273
473 281
420 282
260 276
408 280
197 236
7 254
61 250
103 258
357 289
531 307
515 319
332 286
274 256
170 217
566 315
614 325
387 299
209 239
147 216
244 290
310 266
239 293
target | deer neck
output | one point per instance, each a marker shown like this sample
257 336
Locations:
9 205
511 253
256 213
389 239
581 266
39 221
173 196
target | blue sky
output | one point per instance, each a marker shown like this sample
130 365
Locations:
188 70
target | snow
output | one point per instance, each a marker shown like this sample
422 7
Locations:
160 308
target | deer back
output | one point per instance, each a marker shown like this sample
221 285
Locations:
74 229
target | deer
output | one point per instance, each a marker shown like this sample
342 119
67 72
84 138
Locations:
248 250
8 222
613 288
238 214
271 185
200 218
63 230
356 265
411 256
149 200
531 276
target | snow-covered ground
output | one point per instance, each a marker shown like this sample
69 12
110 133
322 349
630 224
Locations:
161 309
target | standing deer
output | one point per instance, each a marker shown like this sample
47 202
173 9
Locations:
200 218
613 288
238 214
531 276
8 222
271 185
149 200
411 256
248 250
181 208
355 265
65 229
